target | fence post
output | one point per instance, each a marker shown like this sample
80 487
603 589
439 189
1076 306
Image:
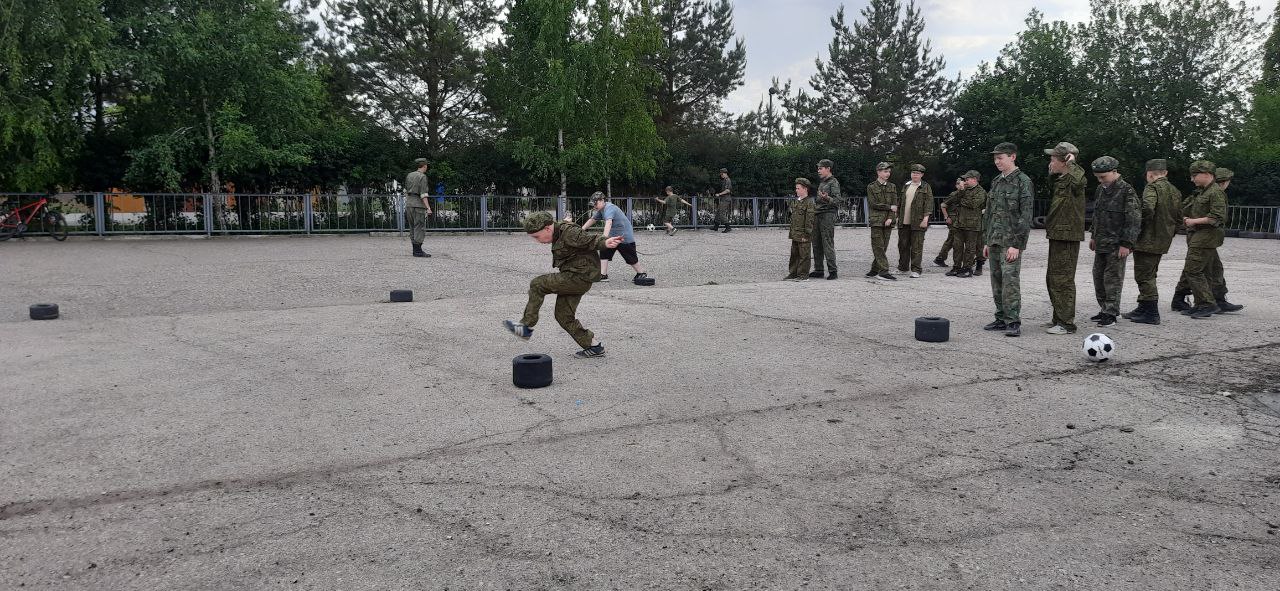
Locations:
208 214
560 205
1275 216
866 212
99 214
484 213
755 212
629 216
400 214
695 213
307 210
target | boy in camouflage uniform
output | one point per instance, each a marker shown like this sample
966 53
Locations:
1204 211
950 203
915 205
1064 227
824 222
802 216
576 253
967 222
417 205
1006 225
671 208
1161 214
882 203
724 205
1117 219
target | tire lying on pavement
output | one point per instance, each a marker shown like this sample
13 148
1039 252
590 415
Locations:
932 329
44 311
645 281
531 371
402 295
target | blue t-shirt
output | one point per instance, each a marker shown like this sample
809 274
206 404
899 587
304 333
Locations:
621 225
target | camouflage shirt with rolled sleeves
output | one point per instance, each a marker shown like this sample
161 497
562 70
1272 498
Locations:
802 214
1066 208
574 250
415 186
1010 203
881 199
1117 217
1210 202
832 201
1161 216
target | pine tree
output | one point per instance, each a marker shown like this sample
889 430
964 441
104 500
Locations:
1270 80
698 60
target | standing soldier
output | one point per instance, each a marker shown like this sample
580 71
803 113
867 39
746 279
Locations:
824 223
1161 214
882 201
670 208
724 206
915 204
417 205
1223 177
1117 220
952 202
967 224
1204 211
1064 226
802 214
1006 225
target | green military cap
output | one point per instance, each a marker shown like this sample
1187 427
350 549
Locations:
1005 148
724 170
1063 149
537 221
824 163
1157 165
1223 174
420 161
597 196
917 168
884 166
804 181
972 174
1105 164
1202 166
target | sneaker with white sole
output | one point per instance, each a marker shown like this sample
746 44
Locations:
603 279
521 331
915 275
1058 329
592 351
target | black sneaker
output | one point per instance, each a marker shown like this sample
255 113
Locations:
1097 317
1013 329
964 273
952 273
593 351
832 275
727 229
872 273
996 325
887 275
1203 311
1225 307
603 279
1106 320
817 274
521 331
941 262
642 279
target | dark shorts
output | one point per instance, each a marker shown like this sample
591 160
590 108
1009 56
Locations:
628 250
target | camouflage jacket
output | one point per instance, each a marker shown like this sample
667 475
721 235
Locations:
967 214
1066 209
574 250
1117 217
921 204
415 185
1161 216
1209 202
802 217
725 202
880 201
1007 221
832 201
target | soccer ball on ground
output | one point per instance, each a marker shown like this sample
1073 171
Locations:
650 227
1098 347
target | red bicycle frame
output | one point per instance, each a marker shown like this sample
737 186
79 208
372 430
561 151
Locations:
35 209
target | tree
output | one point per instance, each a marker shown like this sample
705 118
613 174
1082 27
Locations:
48 51
414 64
881 88
698 61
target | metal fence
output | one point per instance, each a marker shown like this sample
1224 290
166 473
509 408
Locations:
105 214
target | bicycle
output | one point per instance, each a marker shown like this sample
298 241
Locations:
14 222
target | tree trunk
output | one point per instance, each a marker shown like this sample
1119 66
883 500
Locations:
214 181
564 182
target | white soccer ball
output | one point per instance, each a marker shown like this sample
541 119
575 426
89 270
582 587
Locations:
1098 347
650 227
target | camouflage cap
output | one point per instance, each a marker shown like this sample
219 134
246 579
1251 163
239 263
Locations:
804 181
917 168
884 166
1105 164
537 221
1005 148
724 170
1223 174
1157 165
972 174
420 161
597 196
1063 149
1202 167
824 163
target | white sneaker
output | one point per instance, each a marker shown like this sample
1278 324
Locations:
915 275
1058 329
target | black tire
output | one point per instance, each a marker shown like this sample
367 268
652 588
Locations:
646 281
8 225
531 371
402 295
56 224
44 311
932 329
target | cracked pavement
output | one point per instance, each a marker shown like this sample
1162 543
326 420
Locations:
248 413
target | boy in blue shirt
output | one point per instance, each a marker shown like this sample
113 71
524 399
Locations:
616 224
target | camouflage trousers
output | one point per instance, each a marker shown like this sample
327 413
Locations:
1213 273
968 245
1108 281
1060 278
798 266
824 241
569 289
879 243
724 213
1202 275
416 219
1145 267
949 244
1006 285
910 248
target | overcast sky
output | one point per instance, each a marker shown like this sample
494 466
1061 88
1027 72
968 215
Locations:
784 37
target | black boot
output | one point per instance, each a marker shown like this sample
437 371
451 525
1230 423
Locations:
1147 313
1180 301
1224 306
1131 313
417 250
977 269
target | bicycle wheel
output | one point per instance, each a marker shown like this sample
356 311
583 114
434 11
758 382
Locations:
56 224
8 225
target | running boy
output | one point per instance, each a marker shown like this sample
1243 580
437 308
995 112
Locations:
670 208
616 223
